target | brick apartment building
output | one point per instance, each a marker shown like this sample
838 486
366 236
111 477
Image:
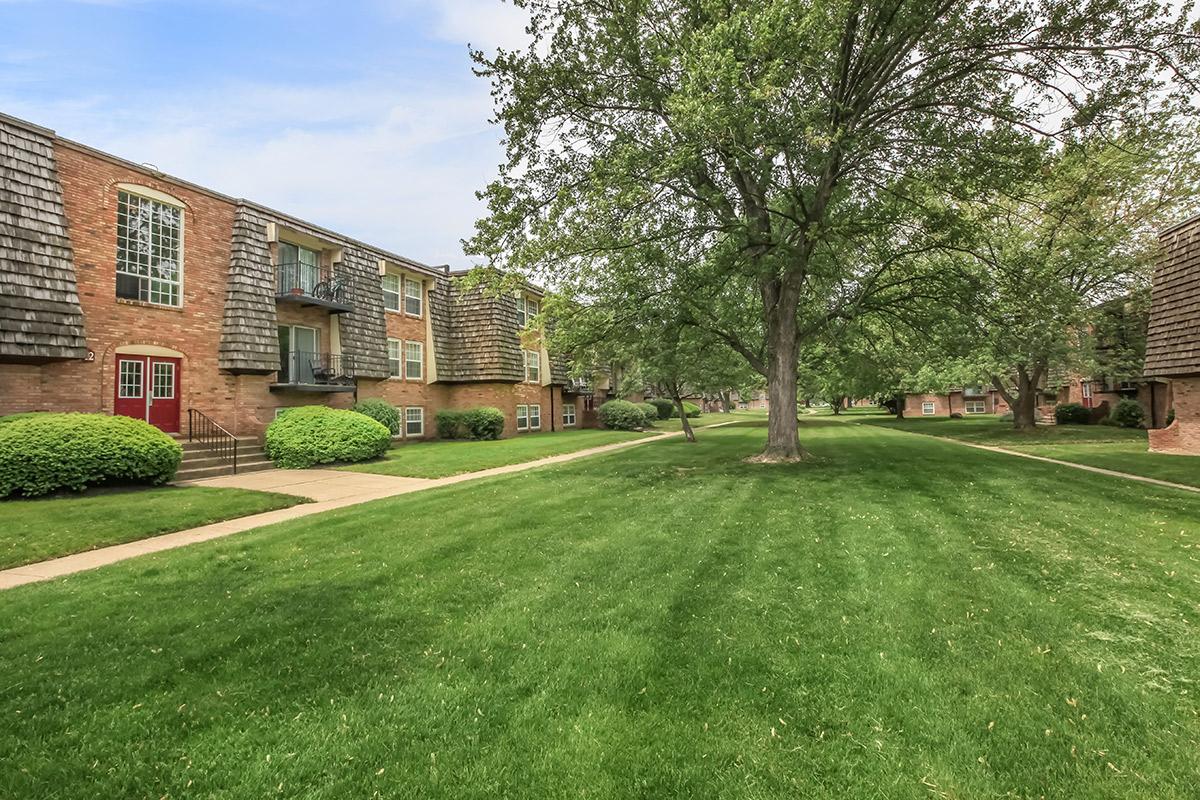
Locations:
1173 341
126 291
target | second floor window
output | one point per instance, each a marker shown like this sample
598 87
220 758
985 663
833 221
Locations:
527 309
412 297
533 366
149 250
394 347
391 292
414 360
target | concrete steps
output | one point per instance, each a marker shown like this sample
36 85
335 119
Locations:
201 462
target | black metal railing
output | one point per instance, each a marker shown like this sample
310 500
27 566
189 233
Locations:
202 429
316 368
309 280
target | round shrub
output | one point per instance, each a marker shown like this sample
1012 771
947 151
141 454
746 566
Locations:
451 424
311 435
1128 414
663 406
41 453
691 409
1071 414
621 415
381 411
649 411
484 423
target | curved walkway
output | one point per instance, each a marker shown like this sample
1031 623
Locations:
328 489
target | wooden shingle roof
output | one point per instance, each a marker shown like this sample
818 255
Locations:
475 335
40 317
1173 337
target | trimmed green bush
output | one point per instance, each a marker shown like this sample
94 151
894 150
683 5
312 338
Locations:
451 424
650 411
43 452
1072 414
1128 414
485 422
381 411
691 409
663 406
310 435
621 415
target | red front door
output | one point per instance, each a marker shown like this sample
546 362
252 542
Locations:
147 387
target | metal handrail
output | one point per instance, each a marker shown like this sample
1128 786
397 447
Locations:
311 280
205 431
301 367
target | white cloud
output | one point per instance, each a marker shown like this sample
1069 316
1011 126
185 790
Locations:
396 166
484 24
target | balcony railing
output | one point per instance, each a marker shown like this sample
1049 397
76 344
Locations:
315 372
310 285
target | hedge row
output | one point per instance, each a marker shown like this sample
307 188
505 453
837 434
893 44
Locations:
473 423
42 453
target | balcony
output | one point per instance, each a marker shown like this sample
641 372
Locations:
310 285
314 372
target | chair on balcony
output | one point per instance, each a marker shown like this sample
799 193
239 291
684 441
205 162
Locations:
322 371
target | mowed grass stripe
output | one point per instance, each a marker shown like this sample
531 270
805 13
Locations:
901 614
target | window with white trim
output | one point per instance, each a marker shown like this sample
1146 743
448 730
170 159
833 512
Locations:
527 309
568 414
522 418
927 408
533 366
535 417
412 297
414 421
163 380
414 360
391 292
394 349
975 407
149 250
130 385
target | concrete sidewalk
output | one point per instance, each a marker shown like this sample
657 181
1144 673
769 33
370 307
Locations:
329 489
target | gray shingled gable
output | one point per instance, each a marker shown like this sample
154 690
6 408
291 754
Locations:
1173 335
249 333
40 317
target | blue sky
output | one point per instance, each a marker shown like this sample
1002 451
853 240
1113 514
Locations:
360 115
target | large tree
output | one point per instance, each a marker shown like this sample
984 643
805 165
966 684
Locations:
1044 257
759 137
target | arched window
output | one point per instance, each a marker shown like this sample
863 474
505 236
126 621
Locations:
149 246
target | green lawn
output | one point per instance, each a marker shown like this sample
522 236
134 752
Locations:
711 418
995 431
34 530
900 618
441 458
1131 457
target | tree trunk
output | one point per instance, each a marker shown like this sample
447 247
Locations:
899 401
783 430
726 402
683 418
1024 402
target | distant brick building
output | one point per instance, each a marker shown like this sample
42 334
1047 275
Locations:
126 291
1173 340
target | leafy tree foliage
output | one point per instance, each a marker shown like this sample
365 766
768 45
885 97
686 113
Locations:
754 142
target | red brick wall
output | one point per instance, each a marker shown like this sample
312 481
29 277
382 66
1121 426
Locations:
242 403
1183 435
